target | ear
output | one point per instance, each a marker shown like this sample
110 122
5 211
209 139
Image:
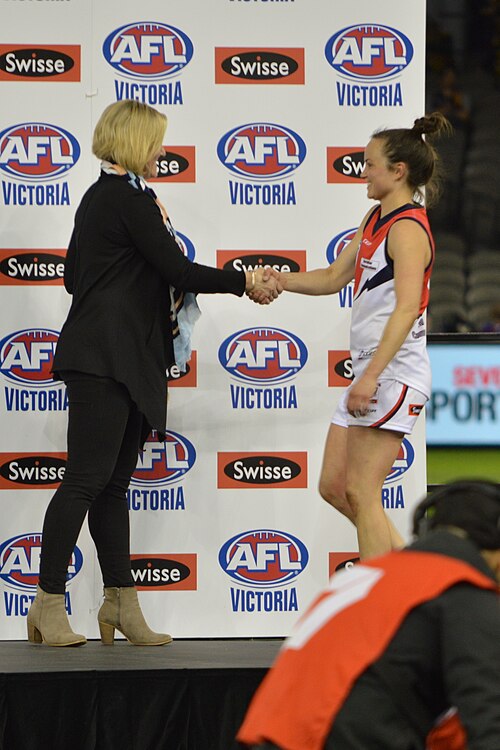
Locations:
400 169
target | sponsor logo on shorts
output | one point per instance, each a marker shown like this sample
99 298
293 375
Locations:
415 409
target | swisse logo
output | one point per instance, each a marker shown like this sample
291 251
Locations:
164 462
20 562
32 267
161 572
339 243
280 260
403 462
369 52
250 65
251 470
340 561
26 356
188 379
340 372
263 355
263 558
344 164
177 165
148 50
31 470
261 151
20 62
37 151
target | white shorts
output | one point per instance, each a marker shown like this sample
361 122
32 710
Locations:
394 406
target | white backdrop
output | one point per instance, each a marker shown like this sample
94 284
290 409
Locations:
268 103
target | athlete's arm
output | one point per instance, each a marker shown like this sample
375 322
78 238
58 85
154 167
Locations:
408 246
326 280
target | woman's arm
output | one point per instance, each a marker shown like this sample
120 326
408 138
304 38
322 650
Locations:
408 246
328 280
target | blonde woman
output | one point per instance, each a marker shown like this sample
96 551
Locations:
127 276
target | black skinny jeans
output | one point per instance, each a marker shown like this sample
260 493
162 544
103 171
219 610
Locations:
105 430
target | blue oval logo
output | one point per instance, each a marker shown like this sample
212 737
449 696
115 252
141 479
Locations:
20 558
263 558
263 355
37 151
26 357
261 151
338 243
164 462
403 462
148 50
186 246
369 52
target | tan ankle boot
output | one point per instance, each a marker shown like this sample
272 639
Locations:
121 611
48 621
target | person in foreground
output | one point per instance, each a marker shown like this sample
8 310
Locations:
132 311
390 260
395 643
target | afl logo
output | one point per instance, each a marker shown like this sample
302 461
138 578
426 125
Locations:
369 52
26 357
20 558
261 151
404 460
185 245
148 50
263 558
338 243
164 462
37 151
263 355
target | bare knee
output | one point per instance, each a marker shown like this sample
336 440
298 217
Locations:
334 495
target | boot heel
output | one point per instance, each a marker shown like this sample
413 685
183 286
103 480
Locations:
34 635
107 633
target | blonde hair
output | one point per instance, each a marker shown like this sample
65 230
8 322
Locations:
129 133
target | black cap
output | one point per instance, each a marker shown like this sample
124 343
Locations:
473 506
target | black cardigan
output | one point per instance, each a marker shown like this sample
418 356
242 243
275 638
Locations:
120 263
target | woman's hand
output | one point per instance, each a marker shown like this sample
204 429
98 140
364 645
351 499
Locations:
263 285
360 395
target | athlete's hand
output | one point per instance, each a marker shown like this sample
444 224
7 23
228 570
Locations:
360 395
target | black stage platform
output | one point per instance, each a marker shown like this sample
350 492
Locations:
190 695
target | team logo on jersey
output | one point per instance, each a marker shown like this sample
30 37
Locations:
250 65
403 462
20 561
344 164
261 151
263 355
276 470
178 164
263 558
26 356
24 267
22 62
164 462
248 260
369 52
37 151
148 50
31 470
160 572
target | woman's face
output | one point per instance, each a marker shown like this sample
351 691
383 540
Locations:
380 178
152 165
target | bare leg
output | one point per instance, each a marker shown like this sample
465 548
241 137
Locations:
370 455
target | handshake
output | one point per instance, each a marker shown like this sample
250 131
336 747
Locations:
263 285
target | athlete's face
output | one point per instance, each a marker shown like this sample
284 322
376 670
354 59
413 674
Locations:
380 178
